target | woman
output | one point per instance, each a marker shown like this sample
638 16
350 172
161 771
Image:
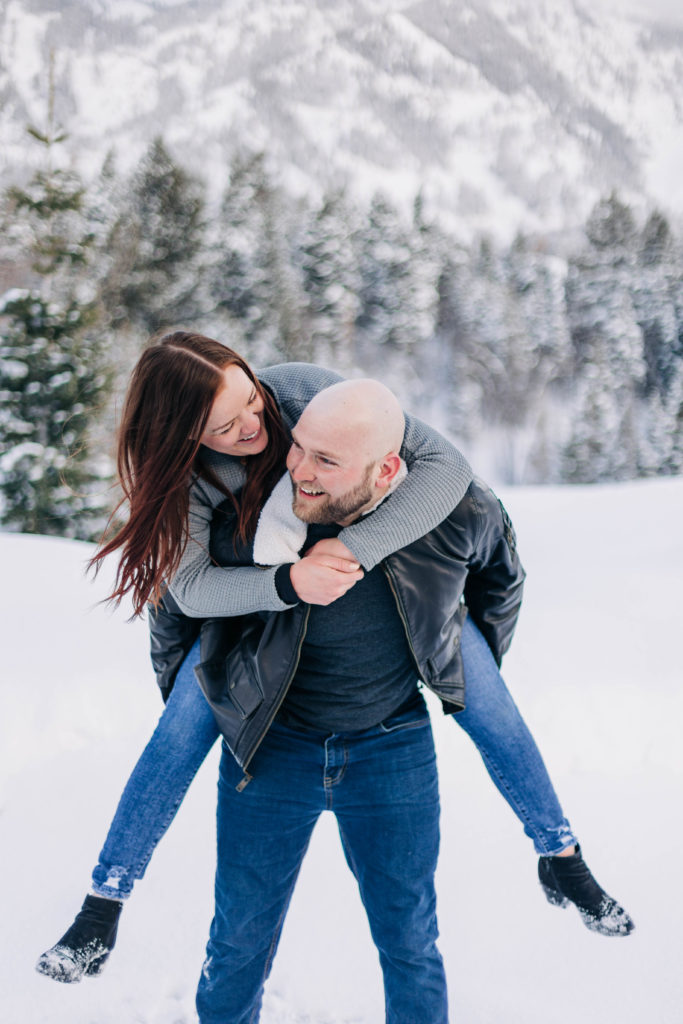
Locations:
224 444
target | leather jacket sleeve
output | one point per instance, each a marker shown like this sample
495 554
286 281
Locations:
171 635
493 591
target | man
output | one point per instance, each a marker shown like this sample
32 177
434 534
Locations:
320 709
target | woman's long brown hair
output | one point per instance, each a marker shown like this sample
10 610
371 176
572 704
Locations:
167 406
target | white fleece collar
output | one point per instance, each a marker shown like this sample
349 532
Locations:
280 534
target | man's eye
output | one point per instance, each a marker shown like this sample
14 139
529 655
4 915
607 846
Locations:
326 462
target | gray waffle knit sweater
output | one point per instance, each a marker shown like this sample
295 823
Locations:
438 478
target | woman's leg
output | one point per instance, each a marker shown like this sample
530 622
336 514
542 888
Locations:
183 737
515 765
493 723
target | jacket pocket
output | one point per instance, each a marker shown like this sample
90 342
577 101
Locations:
449 649
244 691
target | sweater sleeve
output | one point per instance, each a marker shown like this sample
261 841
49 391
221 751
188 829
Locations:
201 588
438 478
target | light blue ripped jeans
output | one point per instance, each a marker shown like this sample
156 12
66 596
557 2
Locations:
186 732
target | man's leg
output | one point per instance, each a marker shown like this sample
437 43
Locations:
263 834
383 789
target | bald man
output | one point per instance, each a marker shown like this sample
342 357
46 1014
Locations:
333 720
322 711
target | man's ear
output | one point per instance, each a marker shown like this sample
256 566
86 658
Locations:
388 468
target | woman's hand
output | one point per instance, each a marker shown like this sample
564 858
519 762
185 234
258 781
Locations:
326 572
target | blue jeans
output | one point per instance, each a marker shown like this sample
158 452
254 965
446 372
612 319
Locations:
183 737
186 732
493 723
381 784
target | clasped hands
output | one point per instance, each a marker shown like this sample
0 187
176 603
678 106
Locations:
326 572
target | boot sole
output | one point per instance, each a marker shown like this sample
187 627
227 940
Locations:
599 925
60 967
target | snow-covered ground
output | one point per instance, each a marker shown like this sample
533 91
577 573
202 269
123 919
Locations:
596 669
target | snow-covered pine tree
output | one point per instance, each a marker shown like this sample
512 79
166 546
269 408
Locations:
492 355
155 246
52 386
538 355
609 359
387 315
655 290
330 281
53 372
458 392
252 278
398 296
432 385
656 295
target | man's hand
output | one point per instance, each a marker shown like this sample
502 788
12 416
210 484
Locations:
334 547
325 573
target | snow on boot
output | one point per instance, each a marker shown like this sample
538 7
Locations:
567 880
84 948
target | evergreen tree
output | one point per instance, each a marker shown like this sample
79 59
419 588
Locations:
50 391
330 282
428 246
505 315
674 426
655 291
611 227
155 246
53 377
399 269
253 277
608 347
387 315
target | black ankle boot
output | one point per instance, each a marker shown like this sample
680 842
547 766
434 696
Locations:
567 880
84 948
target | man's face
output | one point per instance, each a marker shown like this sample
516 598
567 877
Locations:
331 479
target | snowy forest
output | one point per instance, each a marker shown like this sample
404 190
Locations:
548 360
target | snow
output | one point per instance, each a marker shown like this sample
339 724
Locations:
595 669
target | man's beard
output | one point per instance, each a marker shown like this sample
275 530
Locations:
327 510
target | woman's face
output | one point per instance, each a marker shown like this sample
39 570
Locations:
235 425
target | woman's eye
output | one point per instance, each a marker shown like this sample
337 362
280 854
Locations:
226 430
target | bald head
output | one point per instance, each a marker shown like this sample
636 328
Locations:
345 452
364 411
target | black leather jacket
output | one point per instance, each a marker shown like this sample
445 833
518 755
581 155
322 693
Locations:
467 565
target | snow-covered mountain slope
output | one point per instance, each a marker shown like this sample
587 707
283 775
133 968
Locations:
507 113
595 668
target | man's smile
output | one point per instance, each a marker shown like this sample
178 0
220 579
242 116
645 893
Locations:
309 492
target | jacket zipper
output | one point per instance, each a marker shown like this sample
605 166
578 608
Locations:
302 634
